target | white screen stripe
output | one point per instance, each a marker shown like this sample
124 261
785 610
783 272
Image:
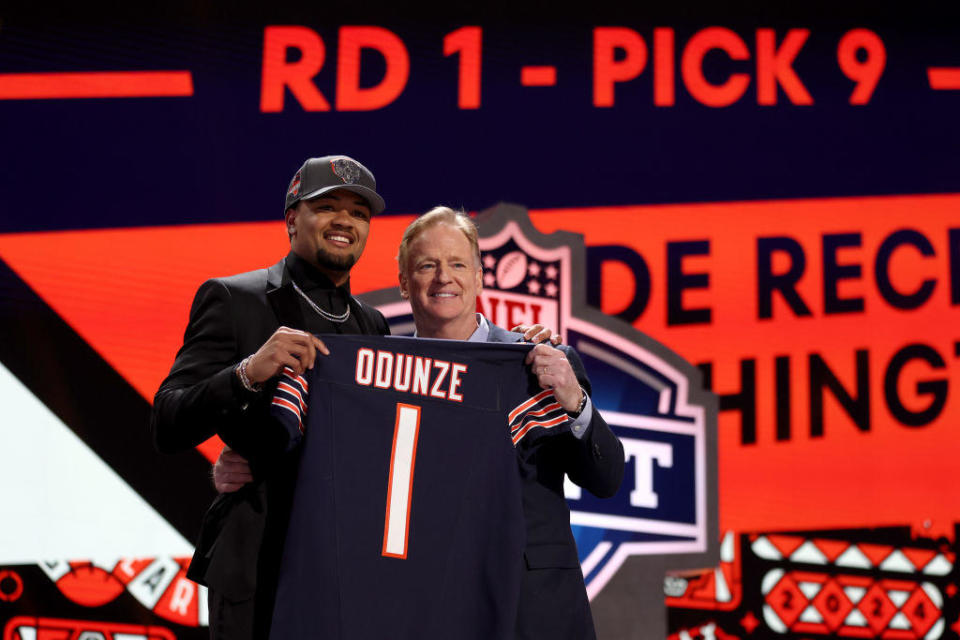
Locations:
640 525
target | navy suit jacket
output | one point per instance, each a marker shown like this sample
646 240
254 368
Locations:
553 600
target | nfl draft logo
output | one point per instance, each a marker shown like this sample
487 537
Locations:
665 515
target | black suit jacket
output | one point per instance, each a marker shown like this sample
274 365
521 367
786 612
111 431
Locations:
240 543
553 600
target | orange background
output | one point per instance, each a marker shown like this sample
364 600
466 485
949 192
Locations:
128 291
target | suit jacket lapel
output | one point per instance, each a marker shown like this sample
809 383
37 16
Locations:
502 335
282 297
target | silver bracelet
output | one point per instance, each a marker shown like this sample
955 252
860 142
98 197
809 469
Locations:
583 404
244 378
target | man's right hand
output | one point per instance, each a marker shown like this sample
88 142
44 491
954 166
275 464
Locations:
231 471
285 348
537 333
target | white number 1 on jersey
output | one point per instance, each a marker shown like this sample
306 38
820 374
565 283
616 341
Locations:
397 522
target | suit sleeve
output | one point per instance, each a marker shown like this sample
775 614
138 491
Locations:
595 461
201 396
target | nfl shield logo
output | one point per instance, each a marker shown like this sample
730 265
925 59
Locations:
665 514
522 280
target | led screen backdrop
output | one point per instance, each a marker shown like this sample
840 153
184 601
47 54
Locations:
771 193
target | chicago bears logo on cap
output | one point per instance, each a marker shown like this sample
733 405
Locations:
346 169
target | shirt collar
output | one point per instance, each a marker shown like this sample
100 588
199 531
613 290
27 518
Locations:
482 332
308 277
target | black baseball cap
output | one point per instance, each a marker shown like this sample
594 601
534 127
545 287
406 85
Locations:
318 176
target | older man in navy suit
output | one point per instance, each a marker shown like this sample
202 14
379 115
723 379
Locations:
441 276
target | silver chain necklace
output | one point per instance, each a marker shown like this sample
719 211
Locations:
339 319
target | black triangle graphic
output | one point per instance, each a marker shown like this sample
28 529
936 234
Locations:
98 404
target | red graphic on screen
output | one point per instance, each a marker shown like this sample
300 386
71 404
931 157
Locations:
87 584
11 586
720 588
708 631
37 628
159 584
853 606
95 84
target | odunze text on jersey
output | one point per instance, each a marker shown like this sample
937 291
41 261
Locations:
410 374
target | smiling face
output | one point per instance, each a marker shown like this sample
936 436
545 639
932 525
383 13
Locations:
442 278
330 231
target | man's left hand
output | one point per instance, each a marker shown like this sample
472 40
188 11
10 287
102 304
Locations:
553 371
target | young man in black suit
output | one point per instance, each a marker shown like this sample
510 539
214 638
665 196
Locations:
243 330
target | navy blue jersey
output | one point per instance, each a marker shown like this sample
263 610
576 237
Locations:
407 519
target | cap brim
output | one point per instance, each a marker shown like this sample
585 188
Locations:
377 205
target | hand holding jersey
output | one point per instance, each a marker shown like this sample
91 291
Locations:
285 348
537 333
553 371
